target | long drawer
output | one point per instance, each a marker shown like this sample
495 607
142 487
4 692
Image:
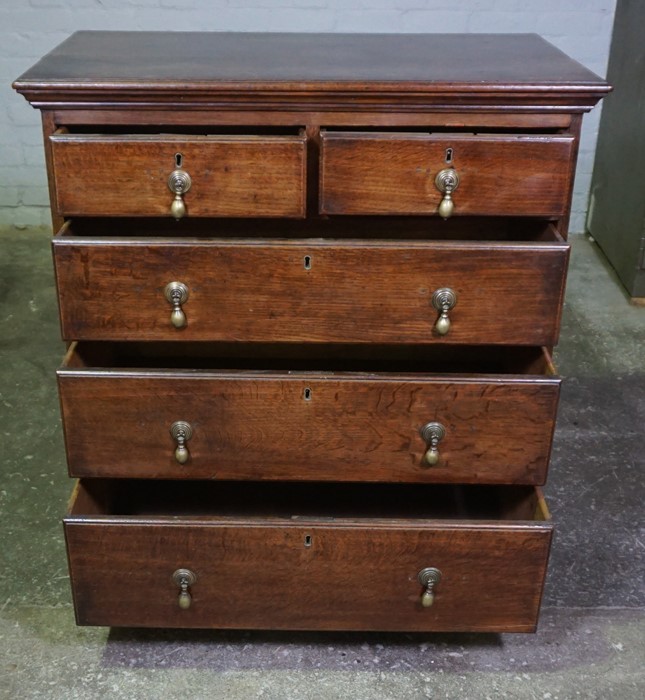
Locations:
307 557
139 174
397 173
471 416
117 287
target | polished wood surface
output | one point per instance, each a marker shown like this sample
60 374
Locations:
127 175
262 572
338 426
259 290
394 173
311 249
221 68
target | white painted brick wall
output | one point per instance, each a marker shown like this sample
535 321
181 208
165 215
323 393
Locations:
29 28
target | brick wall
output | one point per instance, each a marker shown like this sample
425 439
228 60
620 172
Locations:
29 28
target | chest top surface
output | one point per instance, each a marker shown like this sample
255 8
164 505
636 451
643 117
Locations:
198 65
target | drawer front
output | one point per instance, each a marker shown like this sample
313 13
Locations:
364 173
308 577
304 426
310 291
128 175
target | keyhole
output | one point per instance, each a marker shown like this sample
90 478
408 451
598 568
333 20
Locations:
307 540
449 156
307 394
307 262
178 160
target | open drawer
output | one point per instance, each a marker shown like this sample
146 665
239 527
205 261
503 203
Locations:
331 413
401 173
488 290
307 556
152 174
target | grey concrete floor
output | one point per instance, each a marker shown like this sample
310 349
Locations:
590 643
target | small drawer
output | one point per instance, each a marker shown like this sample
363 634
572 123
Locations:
130 175
309 290
308 557
449 415
396 173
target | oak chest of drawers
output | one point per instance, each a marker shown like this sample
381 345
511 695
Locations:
310 285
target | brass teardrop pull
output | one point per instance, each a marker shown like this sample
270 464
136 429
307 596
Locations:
443 300
176 293
432 434
447 181
428 578
184 578
181 433
179 182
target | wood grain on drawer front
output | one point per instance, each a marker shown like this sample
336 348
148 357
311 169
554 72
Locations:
261 573
394 173
128 175
307 425
310 291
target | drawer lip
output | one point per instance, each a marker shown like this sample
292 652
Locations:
350 244
71 366
337 133
65 137
65 236
338 524
541 521
298 375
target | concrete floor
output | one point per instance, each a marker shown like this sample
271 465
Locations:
591 638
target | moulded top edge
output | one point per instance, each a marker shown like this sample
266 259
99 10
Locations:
149 62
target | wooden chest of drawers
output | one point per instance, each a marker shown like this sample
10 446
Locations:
310 285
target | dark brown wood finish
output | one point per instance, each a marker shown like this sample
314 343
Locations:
309 360
394 173
338 426
127 175
297 71
255 290
352 573
542 121
48 128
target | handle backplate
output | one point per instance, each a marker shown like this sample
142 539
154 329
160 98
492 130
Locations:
447 181
428 578
179 182
181 432
177 294
443 300
432 434
184 579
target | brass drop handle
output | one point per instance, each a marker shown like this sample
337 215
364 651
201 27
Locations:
179 182
181 433
428 578
443 300
184 578
176 293
432 434
447 181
